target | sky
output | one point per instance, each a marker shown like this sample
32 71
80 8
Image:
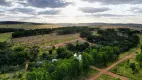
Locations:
72 11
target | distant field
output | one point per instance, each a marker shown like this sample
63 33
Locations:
45 40
114 27
5 36
106 27
29 26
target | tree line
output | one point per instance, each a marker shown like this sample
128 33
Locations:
24 33
5 30
33 32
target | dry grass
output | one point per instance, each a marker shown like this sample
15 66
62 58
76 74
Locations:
29 26
45 40
106 27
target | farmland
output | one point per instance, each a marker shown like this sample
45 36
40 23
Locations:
45 40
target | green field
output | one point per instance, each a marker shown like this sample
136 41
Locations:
5 37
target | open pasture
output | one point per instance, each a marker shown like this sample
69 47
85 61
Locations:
45 40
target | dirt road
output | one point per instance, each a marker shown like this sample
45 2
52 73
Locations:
106 70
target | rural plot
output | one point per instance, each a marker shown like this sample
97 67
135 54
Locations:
45 40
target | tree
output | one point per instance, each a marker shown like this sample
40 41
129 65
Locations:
61 72
38 74
139 59
85 45
75 68
141 49
34 52
71 47
63 53
133 67
87 60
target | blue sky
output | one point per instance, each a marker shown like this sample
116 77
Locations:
72 11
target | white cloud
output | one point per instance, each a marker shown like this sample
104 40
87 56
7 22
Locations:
72 11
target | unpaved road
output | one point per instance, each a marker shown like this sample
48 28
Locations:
106 70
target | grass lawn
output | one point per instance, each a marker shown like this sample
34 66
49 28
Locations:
105 77
5 37
124 70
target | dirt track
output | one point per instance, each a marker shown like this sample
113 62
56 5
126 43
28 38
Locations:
106 70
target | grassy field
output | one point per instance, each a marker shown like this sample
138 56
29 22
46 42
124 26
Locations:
124 70
45 40
105 77
29 26
14 75
5 37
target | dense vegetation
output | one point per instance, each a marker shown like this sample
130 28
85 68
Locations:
24 33
33 32
5 30
99 55
11 58
60 63
67 69
123 38
71 30
110 43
